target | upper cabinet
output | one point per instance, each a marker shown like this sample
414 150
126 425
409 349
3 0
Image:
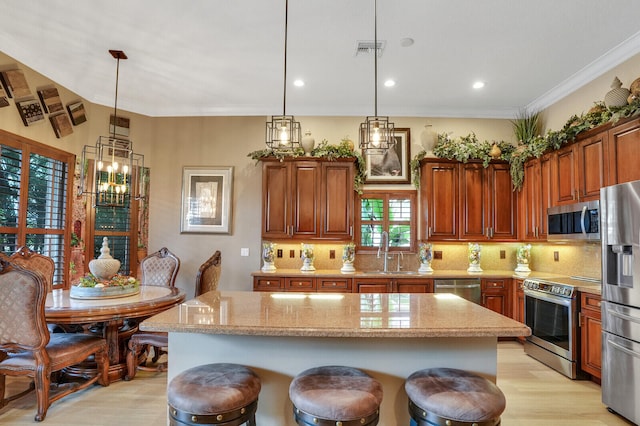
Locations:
581 169
624 151
467 202
535 198
307 199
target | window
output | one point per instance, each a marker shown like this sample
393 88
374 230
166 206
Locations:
391 212
35 214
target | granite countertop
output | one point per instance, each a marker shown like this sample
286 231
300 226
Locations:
334 315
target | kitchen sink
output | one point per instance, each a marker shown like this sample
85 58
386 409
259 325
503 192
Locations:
391 272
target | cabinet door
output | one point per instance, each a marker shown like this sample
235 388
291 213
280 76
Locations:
305 184
624 151
530 200
546 162
439 200
591 335
565 176
473 202
414 285
372 285
496 295
276 200
501 209
592 167
337 200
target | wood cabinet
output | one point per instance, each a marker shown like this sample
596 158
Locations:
372 285
305 284
591 334
333 285
467 202
623 152
413 285
518 303
325 284
581 169
535 198
488 204
268 283
307 199
496 295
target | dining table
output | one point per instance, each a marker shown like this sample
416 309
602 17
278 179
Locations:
114 318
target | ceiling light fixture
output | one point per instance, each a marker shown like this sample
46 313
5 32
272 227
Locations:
389 83
283 132
478 85
376 132
298 83
114 161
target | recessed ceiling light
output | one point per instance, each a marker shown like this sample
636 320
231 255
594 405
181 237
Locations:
478 85
298 83
389 83
406 42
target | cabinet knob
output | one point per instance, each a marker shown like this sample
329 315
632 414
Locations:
268 282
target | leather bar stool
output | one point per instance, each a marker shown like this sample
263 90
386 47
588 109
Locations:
335 396
214 394
451 397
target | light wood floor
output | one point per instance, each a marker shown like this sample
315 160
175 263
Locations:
536 395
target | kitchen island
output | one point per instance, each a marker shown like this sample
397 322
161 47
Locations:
281 334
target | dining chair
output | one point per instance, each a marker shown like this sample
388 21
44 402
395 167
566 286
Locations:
28 349
35 261
209 274
159 268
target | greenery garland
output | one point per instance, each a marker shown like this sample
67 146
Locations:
324 150
468 147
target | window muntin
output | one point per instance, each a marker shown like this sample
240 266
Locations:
393 212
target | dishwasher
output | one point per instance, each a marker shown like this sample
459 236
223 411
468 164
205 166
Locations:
467 288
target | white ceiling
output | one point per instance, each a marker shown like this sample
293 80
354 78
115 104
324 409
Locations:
225 57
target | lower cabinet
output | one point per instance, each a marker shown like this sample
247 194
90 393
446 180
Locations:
517 309
268 283
496 295
302 284
591 335
393 285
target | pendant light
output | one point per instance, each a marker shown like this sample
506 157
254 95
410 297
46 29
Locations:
376 133
283 132
113 161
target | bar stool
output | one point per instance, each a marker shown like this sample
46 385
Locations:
335 396
451 397
214 394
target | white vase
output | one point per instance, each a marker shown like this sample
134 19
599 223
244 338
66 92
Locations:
307 143
105 266
347 266
425 268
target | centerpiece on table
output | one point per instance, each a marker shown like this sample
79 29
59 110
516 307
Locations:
104 280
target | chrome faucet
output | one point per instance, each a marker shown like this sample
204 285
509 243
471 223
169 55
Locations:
384 244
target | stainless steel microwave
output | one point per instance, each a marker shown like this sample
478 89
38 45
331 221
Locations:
579 221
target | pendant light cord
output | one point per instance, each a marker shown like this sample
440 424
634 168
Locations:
115 104
286 23
375 55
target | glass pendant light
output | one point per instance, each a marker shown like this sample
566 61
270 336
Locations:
283 131
376 132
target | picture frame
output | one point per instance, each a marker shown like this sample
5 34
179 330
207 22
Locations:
61 125
77 113
119 125
30 111
50 99
391 167
206 200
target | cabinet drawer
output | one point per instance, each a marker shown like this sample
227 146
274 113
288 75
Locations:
300 284
334 284
591 302
494 284
268 283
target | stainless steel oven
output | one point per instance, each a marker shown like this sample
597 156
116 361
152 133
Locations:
551 311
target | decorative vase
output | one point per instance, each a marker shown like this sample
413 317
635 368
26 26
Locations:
495 151
105 266
425 255
268 257
307 257
307 143
348 256
618 95
523 257
474 257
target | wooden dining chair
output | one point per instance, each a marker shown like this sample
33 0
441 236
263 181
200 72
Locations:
35 261
209 274
27 348
159 268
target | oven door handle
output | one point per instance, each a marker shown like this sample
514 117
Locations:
549 298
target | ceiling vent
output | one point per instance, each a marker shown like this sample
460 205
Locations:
367 47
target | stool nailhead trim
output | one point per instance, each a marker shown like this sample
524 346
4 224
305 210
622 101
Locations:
308 419
425 418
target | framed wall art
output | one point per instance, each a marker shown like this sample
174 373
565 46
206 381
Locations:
393 165
50 100
76 112
30 112
206 200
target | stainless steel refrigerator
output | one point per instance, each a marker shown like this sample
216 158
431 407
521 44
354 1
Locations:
620 235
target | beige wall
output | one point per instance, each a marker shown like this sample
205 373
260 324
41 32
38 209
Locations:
171 143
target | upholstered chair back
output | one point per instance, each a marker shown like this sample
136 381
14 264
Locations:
160 268
209 274
23 294
35 261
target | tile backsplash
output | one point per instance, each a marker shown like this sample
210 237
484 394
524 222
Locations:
579 259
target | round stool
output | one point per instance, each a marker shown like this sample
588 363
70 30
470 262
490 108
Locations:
335 396
451 397
214 394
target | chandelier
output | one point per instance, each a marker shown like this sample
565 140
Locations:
376 133
283 131
114 161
